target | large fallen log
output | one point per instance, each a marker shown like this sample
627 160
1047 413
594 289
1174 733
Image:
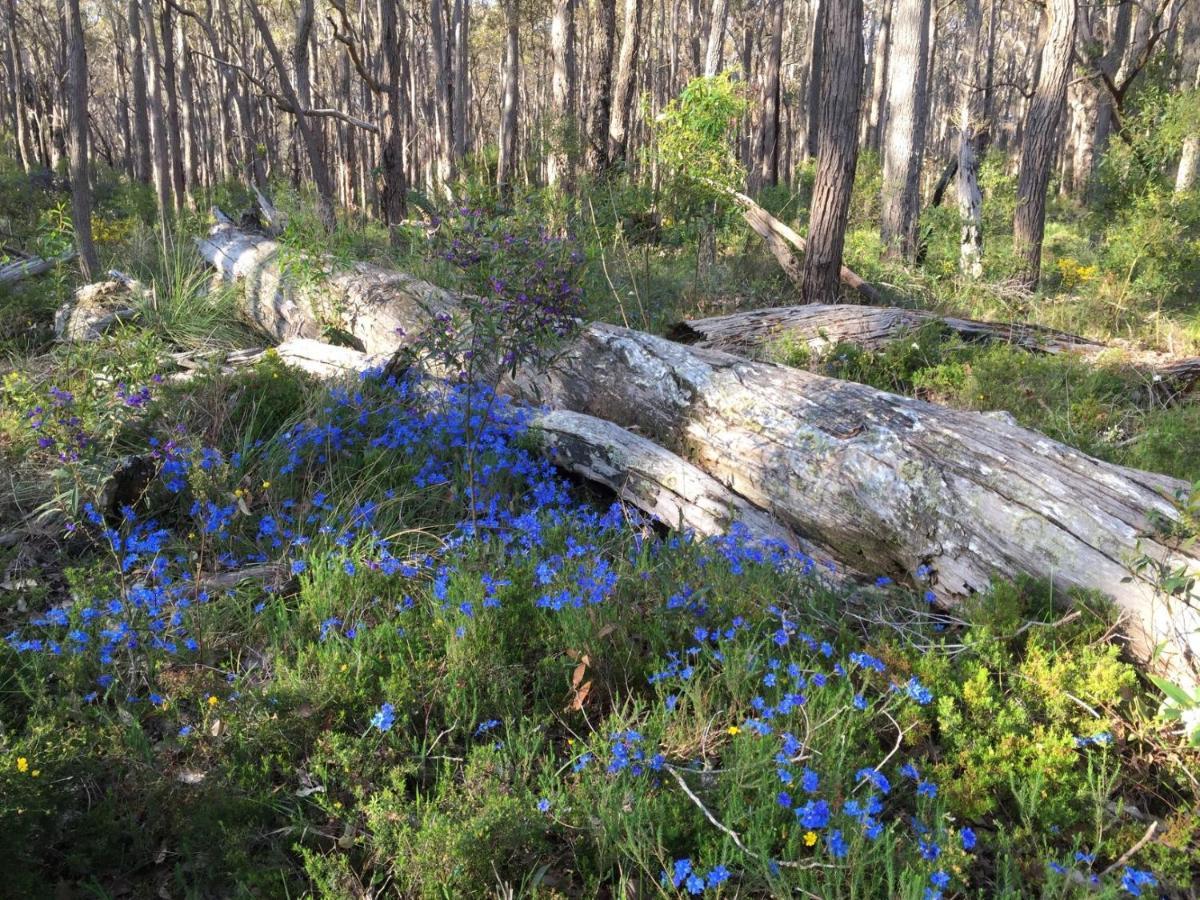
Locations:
753 333
380 309
894 484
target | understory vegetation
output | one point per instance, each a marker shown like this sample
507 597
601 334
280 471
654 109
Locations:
458 674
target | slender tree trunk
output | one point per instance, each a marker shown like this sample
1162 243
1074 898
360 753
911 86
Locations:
768 161
1189 157
141 107
623 95
904 143
395 186
816 71
716 37
598 118
840 26
442 137
25 141
972 131
561 163
81 188
507 166
879 76
189 121
171 90
123 107
460 26
158 121
1040 140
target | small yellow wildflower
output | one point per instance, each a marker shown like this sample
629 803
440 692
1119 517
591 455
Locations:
266 485
733 729
345 666
22 764
810 838
239 493
212 700
35 773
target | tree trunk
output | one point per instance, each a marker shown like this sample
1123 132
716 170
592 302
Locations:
904 141
395 180
460 25
623 96
768 159
141 106
1040 140
972 132
443 137
716 38
507 166
816 71
840 27
1189 157
598 119
560 171
158 123
171 90
81 187
879 76
25 142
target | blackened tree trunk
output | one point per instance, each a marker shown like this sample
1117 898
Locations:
840 26
598 117
1040 140
816 70
622 111
395 182
141 110
904 141
507 166
768 160
77 115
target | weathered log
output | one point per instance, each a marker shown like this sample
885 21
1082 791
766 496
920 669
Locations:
27 268
893 483
821 326
380 309
92 310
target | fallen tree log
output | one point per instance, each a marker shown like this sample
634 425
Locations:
27 268
891 483
894 484
822 326
379 309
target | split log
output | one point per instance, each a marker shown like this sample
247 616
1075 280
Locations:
27 268
822 326
891 482
379 309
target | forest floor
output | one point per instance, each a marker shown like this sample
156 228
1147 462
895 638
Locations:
462 675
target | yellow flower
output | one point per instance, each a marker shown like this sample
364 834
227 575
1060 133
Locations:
810 838
345 666
733 729
35 773
266 485
22 764
212 700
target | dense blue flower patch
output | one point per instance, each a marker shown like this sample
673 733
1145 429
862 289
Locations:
784 685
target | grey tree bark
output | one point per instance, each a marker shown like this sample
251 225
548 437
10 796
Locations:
1040 140
840 28
623 95
561 162
879 76
507 166
768 157
601 109
716 37
158 119
904 136
141 109
972 132
81 187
